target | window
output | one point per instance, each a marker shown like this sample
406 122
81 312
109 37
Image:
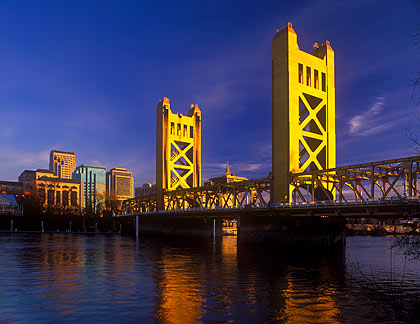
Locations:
172 128
323 82
316 79
191 132
300 73
184 134
65 198
308 76
73 198
178 129
50 197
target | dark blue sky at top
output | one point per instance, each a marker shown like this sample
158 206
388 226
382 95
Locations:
86 76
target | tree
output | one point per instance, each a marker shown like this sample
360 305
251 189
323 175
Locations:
416 80
410 243
413 133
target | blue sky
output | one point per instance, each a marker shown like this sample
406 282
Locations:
86 76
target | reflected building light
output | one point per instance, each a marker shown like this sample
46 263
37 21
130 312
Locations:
303 307
180 291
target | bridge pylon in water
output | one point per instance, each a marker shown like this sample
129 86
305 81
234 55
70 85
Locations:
303 111
178 150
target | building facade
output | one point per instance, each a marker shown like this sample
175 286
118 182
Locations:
119 186
147 189
62 164
227 178
52 192
11 188
92 181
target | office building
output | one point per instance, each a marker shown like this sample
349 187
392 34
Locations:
120 186
92 181
62 164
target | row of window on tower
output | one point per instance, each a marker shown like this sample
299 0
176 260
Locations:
180 129
311 79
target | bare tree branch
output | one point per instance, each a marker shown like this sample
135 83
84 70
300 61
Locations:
416 81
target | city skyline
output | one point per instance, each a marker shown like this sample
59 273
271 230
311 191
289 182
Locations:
88 79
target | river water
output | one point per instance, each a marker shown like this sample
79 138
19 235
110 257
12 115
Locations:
66 278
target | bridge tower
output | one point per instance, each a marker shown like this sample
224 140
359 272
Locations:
303 111
178 150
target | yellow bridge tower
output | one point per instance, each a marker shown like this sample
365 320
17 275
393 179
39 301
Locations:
303 111
178 150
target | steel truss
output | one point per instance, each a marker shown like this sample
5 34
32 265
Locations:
382 180
360 182
227 195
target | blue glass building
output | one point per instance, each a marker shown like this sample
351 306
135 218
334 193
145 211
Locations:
92 180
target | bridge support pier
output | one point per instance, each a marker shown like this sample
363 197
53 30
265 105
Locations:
168 225
137 226
311 231
273 227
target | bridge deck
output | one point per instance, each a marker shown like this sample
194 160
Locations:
394 207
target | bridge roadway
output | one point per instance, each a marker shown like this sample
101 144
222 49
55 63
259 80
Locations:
393 207
314 224
383 189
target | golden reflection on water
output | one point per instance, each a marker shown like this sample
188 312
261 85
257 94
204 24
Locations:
79 278
191 282
184 299
181 282
317 306
180 290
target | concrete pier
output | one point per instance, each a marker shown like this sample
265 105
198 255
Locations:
308 231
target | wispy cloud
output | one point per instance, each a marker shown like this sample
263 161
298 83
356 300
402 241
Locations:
14 158
363 125
13 162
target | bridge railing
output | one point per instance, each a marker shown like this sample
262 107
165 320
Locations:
16 212
312 204
381 179
369 183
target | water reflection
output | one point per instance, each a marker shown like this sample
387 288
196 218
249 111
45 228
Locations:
254 285
315 305
179 289
68 278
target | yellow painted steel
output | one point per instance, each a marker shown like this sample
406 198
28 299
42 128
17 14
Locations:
303 111
178 150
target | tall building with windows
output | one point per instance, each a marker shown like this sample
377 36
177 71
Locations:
62 164
92 181
119 185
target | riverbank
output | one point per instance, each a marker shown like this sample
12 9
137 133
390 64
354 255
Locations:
59 232
381 229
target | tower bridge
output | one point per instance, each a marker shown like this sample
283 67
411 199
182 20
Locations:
304 184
